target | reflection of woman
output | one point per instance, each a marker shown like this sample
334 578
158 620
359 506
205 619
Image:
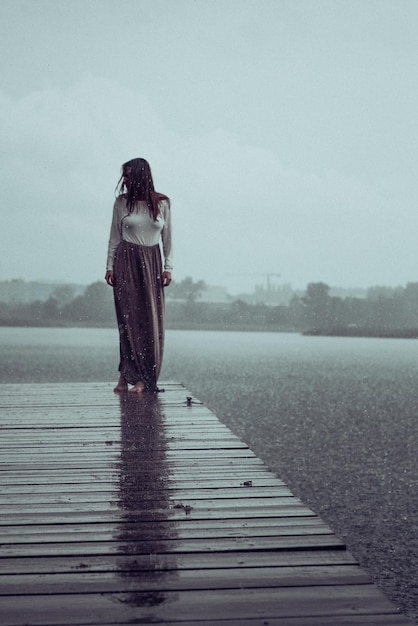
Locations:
147 532
141 217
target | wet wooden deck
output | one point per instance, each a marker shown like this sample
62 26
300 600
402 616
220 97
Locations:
148 510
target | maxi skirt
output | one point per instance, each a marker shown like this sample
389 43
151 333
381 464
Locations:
139 303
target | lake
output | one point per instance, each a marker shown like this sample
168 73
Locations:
336 418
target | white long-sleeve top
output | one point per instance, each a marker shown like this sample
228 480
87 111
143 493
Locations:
140 228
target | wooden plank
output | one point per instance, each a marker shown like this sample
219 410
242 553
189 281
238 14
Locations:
43 459
92 438
181 529
77 481
168 606
159 545
343 620
137 564
188 466
206 493
182 580
63 504
91 513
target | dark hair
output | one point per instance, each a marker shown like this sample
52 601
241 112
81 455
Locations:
140 187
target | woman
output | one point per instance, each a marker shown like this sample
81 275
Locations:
141 217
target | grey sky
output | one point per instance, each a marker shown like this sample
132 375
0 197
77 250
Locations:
285 133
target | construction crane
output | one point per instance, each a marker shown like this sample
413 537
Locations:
267 275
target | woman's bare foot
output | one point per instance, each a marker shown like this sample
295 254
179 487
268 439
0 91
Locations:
121 385
139 387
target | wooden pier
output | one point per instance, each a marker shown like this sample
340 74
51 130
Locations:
147 510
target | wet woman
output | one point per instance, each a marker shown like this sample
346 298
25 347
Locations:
141 219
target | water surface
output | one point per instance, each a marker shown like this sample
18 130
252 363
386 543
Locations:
336 418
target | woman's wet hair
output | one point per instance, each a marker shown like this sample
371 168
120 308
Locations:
140 186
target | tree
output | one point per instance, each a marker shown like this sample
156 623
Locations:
187 289
95 305
318 304
63 294
408 304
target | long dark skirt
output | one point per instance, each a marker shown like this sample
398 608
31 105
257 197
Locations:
139 302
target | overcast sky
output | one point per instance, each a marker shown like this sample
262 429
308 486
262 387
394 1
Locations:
284 132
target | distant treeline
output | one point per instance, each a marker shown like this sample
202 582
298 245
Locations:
382 313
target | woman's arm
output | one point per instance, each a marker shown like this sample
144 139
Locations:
167 243
114 240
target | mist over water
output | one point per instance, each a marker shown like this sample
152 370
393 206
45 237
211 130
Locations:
336 418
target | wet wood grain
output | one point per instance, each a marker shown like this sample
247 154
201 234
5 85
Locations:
118 510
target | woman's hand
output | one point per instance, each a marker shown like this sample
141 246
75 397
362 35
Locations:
109 277
166 278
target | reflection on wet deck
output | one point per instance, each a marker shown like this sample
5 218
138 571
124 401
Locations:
118 510
144 501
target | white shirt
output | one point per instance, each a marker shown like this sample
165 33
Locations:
140 228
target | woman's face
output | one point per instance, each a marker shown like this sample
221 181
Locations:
126 175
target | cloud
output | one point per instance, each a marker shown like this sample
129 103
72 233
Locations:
237 208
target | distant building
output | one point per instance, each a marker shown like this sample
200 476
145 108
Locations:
214 293
18 291
348 292
274 295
